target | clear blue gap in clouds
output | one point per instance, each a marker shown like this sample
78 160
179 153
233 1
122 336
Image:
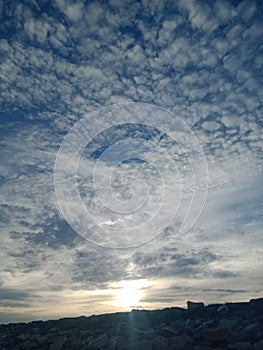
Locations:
61 60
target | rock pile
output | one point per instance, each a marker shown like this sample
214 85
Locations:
232 326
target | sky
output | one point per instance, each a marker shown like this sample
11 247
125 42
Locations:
131 155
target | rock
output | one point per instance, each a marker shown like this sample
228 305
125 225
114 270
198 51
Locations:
89 339
222 309
36 323
241 346
123 328
232 326
257 305
258 345
239 309
193 306
217 337
146 345
182 342
181 325
29 344
168 331
117 343
41 339
58 343
53 330
252 327
201 325
248 332
148 335
99 342
161 343
23 337
227 323
75 344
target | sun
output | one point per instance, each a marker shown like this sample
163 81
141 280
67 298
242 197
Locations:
128 294
128 297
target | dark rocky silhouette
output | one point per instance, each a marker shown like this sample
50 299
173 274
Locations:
232 326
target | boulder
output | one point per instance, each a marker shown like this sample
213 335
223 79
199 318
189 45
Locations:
117 343
148 335
227 323
193 305
58 343
257 304
181 342
232 326
75 344
146 345
53 330
181 325
100 342
168 331
241 346
248 332
216 336
223 309
161 343
28 345
23 337
239 309
258 345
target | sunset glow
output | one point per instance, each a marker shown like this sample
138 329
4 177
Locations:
129 293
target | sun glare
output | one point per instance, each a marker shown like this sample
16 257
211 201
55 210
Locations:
129 293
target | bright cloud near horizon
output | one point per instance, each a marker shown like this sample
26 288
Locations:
61 62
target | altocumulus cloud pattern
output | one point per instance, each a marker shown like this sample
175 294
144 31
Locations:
62 61
136 184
